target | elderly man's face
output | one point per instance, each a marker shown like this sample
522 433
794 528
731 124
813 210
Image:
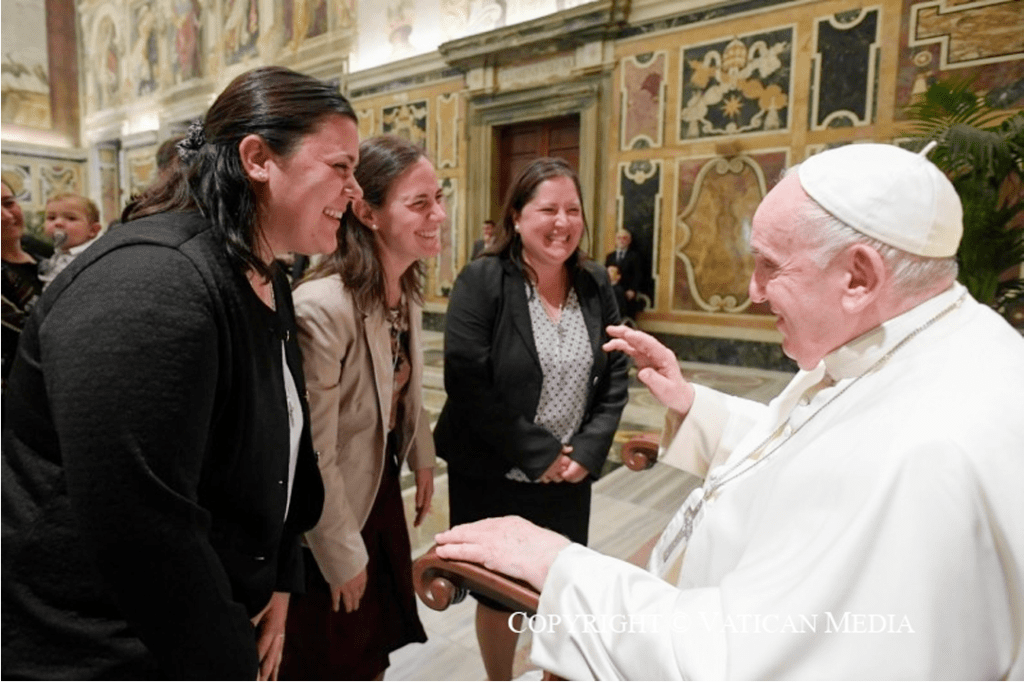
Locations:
804 297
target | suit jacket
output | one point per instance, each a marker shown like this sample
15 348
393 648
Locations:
630 268
493 376
349 372
146 463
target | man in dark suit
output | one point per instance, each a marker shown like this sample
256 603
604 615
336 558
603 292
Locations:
630 270
481 244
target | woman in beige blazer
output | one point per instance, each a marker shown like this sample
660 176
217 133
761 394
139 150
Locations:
359 322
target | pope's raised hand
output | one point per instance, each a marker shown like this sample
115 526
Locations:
657 366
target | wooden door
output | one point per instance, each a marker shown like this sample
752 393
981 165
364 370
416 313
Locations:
521 143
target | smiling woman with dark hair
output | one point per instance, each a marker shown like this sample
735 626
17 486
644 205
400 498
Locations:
158 466
533 401
361 337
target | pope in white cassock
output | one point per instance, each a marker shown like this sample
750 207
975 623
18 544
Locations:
869 522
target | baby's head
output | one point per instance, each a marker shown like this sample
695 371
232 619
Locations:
613 274
76 215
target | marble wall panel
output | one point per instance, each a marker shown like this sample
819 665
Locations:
367 122
408 121
643 100
639 211
141 166
449 129
737 85
60 177
717 197
845 62
978 39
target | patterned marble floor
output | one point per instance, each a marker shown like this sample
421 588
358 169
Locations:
629 509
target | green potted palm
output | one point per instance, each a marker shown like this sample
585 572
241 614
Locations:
981 149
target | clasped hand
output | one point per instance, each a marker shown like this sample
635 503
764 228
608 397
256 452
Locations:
564 469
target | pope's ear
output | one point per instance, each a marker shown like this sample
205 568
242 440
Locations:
866 276
255 156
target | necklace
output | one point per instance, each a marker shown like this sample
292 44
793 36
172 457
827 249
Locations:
677 534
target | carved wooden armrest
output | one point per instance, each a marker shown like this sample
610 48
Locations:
641 451
441 583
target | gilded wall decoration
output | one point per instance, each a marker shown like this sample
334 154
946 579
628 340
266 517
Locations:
367 123
59 178
144 59
449 126
848 44
643 100
718 197
739 85
978 39
408 121
25 79
445 266
639 212
185 40
241 30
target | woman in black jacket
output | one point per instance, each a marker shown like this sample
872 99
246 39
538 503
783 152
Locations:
158 467
533 401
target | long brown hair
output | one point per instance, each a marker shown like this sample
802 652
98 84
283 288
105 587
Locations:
507 242
382 160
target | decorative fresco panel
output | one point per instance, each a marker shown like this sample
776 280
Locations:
185 40
643 100
978 39
717 199
144 58
448 128
639 212
408 121
241 30
26 77
846 44
304 19
444 267
106 65
739 85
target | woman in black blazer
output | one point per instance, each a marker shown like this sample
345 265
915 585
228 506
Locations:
533 401
158 468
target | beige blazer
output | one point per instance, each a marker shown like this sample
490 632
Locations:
349 376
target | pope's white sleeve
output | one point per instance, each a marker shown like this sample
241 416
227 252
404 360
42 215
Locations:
710 431
604 619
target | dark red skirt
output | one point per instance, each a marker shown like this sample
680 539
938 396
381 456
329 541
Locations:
321 644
